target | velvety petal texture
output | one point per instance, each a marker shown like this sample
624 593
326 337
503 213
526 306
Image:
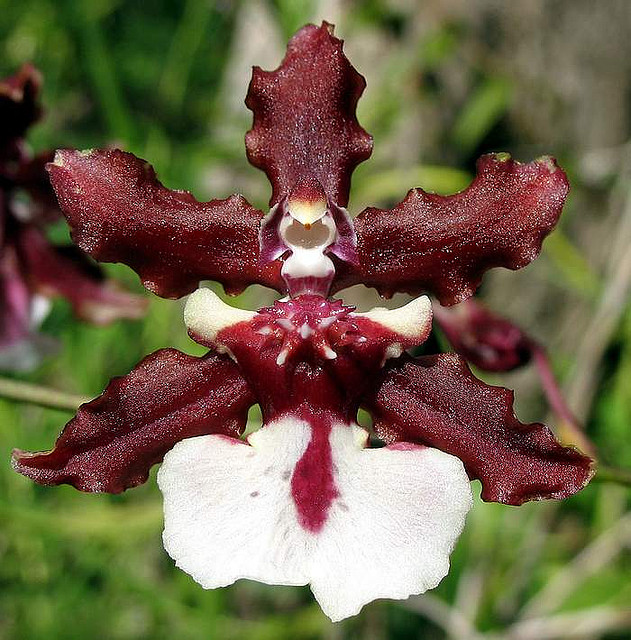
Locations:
114 440
436 401
444 244
230 514
304 116
119 212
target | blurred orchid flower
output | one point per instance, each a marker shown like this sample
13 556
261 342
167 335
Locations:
306 499
31 269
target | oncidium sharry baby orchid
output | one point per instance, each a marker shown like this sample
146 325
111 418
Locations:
307 499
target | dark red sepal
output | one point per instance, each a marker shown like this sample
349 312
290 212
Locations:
444 244
113 441
120 212
304 116
436 401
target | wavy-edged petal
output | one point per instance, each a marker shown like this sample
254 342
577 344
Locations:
120 212
444 244
436 401
231 513
66 272
304 116
113 441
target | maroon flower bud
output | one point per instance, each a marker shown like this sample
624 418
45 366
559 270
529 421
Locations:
486 340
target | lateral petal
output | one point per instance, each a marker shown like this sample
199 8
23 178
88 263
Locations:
114 440
304 117
436 401
120 212
444 244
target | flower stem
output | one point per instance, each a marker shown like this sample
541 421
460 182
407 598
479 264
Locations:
42 396
613 474
570 429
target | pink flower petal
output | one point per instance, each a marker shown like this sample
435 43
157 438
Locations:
15 300
444 244
304 117
32 177
114 440
435 400
119 212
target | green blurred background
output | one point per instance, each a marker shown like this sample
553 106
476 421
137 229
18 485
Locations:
447 81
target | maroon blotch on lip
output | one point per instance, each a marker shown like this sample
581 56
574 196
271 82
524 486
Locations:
313 486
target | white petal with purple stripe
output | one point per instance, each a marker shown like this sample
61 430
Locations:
230 514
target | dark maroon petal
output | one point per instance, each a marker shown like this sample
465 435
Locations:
304 116
66 272
485 339
436 401
18 103
119 212
113 441
444 244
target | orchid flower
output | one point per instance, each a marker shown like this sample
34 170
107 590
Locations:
307 499
31 269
